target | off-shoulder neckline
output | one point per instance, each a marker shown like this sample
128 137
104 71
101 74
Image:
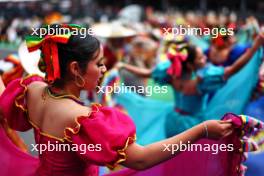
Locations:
74 130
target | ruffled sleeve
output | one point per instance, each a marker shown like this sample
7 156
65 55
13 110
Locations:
159 73
106 129
13 103
211 78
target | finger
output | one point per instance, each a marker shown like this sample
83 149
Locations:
226 121
261 35
221 121
228 129
227 125
228 133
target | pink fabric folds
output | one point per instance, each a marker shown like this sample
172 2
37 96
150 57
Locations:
101 137
193 163
13 161
108 129
115 131
13 104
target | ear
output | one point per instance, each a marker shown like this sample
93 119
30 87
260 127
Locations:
74 68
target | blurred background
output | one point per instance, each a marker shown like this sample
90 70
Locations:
131 31
18 16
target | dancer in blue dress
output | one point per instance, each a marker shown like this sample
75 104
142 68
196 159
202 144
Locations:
225 51
192 78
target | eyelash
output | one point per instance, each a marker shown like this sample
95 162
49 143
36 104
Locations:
100 65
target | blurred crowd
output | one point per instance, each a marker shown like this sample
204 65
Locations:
17 18
133 34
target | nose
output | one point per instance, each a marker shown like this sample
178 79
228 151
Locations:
205 57
103 69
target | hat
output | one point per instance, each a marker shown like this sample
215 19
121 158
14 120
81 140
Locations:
112 30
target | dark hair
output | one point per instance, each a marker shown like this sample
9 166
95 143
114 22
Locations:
191 50
79 48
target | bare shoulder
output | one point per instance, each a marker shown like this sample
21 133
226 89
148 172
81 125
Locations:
56 115
187 87
190 87
73 110
177 83
64 111
36 85
51 114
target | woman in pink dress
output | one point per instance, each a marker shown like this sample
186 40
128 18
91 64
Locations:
73 139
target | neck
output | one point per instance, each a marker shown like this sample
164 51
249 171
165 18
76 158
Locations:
70 89
188 74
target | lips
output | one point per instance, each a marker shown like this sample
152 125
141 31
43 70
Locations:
99 81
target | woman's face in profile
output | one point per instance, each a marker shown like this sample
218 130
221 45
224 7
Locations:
200 60
94 71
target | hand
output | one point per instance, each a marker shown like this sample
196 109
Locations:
218 129
261 72
252 21
260 39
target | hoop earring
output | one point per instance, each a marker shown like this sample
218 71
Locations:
77 81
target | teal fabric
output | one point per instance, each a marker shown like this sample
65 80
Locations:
159 73
149 116
245 35
212 78
156 120
168 96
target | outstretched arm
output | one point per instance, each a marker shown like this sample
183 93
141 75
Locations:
140 158
240 62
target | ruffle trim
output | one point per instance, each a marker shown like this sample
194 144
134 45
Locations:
76 129
247 145
22 95
23 107
19 103
121 153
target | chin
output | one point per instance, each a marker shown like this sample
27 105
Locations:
90 88
202 65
